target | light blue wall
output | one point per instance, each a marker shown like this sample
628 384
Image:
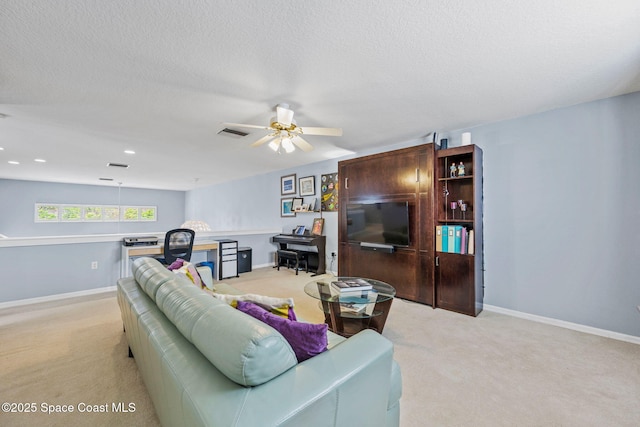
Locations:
19 198
37 271
562 213
254 203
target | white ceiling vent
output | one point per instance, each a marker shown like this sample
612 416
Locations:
117 165
232 133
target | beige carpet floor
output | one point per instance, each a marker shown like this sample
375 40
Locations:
493 370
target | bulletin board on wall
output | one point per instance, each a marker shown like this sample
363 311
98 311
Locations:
329 192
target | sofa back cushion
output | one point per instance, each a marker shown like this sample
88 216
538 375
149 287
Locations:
244 349
149 277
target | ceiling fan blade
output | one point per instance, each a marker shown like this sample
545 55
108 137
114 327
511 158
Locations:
284 114
263 140
321 131
247 126
301 143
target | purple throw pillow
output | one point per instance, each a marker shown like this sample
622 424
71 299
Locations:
306 339
177 264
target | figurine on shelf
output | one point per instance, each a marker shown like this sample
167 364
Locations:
461 169
453 170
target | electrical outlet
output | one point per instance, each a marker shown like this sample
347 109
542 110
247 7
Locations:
94 265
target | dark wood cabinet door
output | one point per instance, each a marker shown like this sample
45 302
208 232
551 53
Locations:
426 278
379 176
397 269
455 283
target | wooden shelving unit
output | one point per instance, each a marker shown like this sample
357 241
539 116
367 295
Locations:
459 278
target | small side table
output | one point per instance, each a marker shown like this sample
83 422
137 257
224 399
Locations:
349 313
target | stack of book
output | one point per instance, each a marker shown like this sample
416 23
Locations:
352 285
354 296
454 239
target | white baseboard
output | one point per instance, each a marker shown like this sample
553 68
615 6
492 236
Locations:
270 264
56 297
563 324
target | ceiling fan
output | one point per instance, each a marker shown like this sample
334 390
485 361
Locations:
285 134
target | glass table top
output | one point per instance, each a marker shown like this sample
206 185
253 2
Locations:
325 290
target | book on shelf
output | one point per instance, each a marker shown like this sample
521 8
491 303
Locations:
352 285
454 239
457 239
463 241
451 238
445 238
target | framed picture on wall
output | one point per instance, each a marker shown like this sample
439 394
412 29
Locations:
288 184
297 204
286 207
308 186
318 225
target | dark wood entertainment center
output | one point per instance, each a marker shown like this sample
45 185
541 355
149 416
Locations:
421 177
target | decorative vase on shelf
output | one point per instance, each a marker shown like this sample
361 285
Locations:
463 208
453 206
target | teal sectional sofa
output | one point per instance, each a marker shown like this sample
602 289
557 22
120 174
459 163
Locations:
205 363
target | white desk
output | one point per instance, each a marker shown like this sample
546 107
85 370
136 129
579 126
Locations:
129 252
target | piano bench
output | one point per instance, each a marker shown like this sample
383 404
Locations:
286 255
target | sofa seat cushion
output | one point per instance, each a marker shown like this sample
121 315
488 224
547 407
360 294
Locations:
306 339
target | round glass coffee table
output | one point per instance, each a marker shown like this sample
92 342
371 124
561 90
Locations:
352 304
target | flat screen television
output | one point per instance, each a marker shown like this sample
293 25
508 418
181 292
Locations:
385 223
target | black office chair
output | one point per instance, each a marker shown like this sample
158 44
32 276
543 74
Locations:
178 243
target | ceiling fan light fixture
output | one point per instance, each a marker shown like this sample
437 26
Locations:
286 134
288 145
285 115
274 145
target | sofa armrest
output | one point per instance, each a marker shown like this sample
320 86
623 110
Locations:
347 385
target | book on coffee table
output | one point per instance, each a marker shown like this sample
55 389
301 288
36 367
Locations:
352 285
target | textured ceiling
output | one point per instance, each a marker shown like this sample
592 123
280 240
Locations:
81 81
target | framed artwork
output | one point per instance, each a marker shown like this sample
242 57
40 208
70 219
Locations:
329 192
299 231
286 207
308 186
297 204
288 184
318 226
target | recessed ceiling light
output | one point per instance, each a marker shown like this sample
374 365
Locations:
1 148
40 160
129 152
13 162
